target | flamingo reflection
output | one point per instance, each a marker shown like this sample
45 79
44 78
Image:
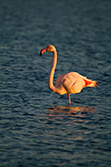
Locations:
70 110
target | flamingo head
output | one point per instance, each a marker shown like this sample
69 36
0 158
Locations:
49 48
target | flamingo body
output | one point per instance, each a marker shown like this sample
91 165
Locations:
69 83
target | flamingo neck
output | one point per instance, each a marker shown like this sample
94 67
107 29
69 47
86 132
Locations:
51 76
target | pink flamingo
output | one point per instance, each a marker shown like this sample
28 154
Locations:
69 83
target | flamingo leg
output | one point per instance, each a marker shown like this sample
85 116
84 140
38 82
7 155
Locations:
69 100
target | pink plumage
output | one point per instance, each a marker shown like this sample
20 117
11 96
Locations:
69 83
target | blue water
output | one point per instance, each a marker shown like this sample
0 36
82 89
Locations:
37 129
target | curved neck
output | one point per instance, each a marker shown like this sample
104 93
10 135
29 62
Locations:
51 76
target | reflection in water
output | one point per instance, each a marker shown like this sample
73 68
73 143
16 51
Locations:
55 110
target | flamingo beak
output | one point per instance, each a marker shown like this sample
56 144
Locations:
43 51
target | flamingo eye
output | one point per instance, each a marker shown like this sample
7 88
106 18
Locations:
49 49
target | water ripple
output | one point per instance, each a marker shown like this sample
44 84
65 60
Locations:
36 129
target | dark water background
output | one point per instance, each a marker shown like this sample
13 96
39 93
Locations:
37 129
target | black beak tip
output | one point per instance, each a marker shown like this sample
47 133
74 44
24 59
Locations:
40 54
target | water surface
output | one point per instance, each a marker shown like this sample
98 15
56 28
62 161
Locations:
37 129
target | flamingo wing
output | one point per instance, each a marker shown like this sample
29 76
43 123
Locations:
73 83
65 83
69 82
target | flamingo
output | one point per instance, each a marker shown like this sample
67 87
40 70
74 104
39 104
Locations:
69 83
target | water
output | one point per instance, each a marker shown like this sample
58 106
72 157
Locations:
37 129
